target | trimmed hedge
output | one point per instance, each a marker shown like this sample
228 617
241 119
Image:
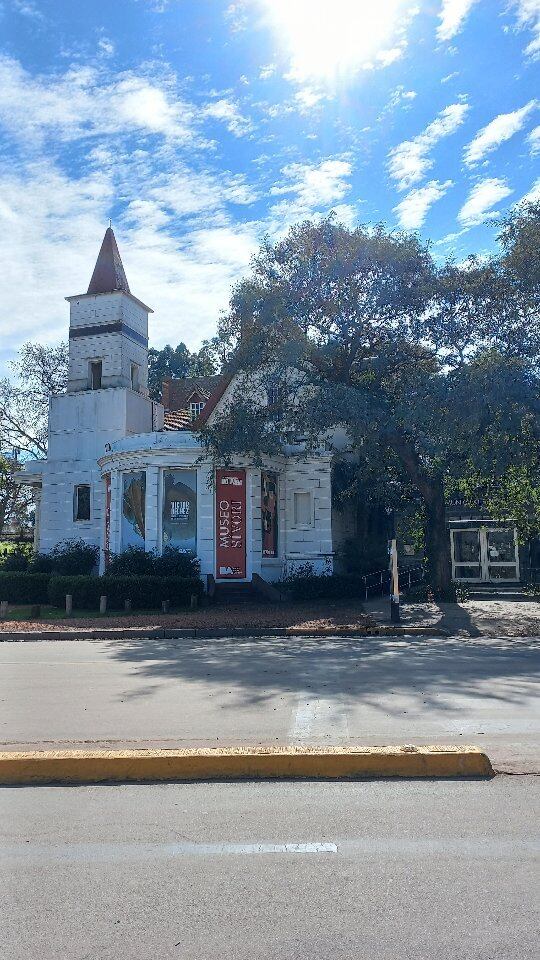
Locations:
144 592
22 587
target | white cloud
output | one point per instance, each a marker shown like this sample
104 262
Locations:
410 160
236 16
51 227
481 201
528 17
188 193
27 8
315 186
500 129
307 98
267 71
399 96
106 46
413 209
534 140
228 112
532 195
83 103
452 17
311 191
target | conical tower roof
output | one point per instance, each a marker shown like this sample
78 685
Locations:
109 273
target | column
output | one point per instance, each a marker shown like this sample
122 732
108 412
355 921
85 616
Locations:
153 503
115 543
37 517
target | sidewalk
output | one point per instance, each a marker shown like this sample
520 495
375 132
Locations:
472 618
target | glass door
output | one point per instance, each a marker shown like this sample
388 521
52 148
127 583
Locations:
485 554
466 555
500 554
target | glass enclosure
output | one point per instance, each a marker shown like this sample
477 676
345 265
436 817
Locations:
179 510
133 509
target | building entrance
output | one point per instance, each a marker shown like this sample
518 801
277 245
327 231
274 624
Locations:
485 554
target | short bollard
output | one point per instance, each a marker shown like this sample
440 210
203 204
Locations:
69 603
103 604
3 609
127 605
35 610
194 601
165 606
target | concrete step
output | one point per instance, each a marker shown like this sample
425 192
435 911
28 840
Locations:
502 591
235 593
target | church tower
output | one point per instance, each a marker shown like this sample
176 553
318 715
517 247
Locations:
106 400
108 329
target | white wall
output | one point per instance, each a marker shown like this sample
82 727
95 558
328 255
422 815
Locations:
116 350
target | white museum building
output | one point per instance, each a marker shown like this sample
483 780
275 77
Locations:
124 470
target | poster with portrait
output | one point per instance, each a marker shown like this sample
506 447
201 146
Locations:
179 510
269 509
133 509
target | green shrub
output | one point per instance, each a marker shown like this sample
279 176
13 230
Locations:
144 592
17 559
67 558
305 586
133 562
136 562
174 563
24 587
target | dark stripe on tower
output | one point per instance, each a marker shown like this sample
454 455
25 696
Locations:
99 328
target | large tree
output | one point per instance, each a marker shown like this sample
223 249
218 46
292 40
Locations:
40 372
360 329
15 499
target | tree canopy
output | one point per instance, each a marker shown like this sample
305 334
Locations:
437 365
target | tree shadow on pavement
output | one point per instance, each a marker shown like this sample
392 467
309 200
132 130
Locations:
368 671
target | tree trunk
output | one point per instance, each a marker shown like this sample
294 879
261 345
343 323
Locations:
437 537
438 543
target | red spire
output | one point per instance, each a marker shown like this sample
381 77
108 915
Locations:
109 273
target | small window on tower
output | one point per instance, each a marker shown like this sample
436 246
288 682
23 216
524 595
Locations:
95 370
196 408
134 376
81 502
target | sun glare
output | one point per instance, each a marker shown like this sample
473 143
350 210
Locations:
330 39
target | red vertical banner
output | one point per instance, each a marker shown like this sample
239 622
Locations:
231 524
107 538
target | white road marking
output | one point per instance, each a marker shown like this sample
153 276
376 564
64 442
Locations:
132 852
317 718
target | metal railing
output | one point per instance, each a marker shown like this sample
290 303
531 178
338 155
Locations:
377 584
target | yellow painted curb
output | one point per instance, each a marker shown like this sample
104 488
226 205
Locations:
95 766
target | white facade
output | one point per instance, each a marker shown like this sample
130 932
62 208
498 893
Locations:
105 431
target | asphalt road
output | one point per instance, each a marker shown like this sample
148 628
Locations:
225 692
400 871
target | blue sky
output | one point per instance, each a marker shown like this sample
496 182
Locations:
199 126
